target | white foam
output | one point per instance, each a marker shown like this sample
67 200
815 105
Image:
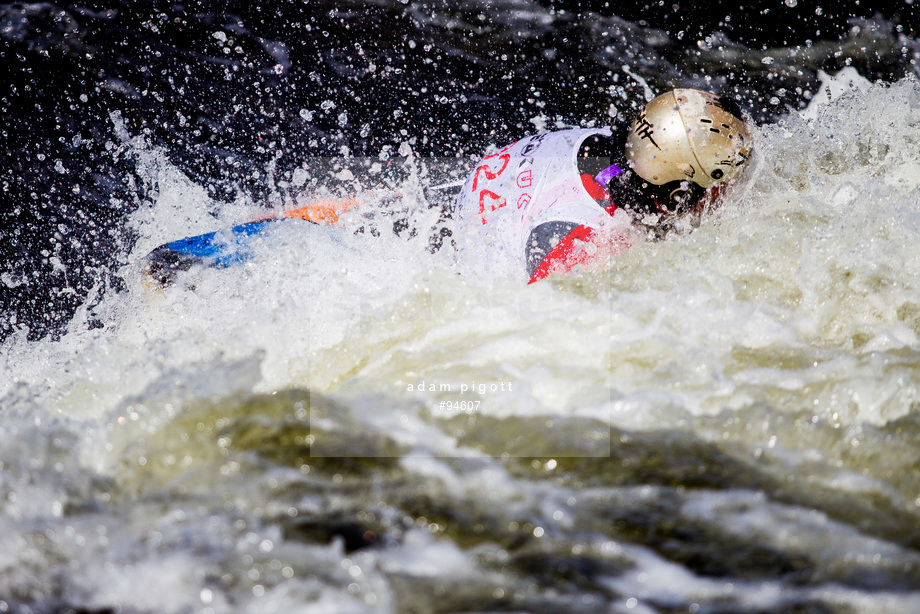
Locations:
845 81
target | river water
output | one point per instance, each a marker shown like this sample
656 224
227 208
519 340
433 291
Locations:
722 421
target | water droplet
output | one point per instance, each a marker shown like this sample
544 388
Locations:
792 3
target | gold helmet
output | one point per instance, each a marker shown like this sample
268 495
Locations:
687 136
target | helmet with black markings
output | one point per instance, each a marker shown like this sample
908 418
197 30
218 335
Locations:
686 141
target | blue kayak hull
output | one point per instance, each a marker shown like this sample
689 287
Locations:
214 249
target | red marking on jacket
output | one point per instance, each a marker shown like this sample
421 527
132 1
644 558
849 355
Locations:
564 256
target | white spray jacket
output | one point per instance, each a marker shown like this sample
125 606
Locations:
528 183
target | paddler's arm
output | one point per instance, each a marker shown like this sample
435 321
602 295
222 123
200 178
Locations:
559 247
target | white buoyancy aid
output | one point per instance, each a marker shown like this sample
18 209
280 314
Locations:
514 190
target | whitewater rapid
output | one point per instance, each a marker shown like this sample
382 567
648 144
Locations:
255 437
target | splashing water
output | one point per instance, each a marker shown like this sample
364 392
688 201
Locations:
725 420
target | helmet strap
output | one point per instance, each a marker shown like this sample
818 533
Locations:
607 174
